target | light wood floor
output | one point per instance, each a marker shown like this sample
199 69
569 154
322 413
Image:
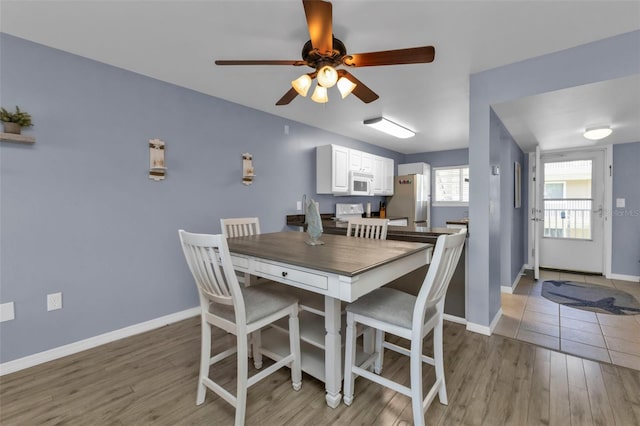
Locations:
151 379
530 317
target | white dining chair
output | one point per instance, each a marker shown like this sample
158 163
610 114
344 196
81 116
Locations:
237 310
240 227
367 228
410 317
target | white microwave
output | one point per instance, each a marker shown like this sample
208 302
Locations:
360 183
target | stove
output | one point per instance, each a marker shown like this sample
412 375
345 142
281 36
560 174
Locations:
344 212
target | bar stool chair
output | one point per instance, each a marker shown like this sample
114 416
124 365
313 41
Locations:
393 311
240 227
238 310
367 228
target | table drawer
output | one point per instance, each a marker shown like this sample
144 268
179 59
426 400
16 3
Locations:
294 275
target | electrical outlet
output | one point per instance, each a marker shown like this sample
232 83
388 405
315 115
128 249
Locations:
298 205
7 312
54 301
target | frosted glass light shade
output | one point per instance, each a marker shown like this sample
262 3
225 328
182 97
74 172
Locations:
302 84
320 95
327 76
345 86
597 133
389 127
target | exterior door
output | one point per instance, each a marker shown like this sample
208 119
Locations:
536 213
572 223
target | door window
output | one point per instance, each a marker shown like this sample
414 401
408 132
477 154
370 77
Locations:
568 199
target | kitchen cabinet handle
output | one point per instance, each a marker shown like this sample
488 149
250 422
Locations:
284 274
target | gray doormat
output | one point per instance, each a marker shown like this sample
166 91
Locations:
591 297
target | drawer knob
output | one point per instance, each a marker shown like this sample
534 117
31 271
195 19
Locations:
284 274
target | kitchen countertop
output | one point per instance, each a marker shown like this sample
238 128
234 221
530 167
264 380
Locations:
393 232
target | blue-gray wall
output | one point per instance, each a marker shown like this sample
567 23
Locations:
617 57
80 215
512 219
452 157
625 235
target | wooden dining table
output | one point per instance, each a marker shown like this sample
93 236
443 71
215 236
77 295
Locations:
342 269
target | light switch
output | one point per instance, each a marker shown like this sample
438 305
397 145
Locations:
620 203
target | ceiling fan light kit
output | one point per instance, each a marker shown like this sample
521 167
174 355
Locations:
325 53
345 86
597 133
320 95
302 84
389 127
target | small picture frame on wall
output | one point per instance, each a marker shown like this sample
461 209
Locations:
517 185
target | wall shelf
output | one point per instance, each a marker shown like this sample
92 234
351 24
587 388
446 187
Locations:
10 137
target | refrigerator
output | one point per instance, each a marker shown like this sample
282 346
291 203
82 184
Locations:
411 199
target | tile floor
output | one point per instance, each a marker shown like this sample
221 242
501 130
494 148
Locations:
528 316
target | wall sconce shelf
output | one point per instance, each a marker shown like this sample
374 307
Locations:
11 137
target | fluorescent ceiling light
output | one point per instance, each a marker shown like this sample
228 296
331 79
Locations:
597 133
389 127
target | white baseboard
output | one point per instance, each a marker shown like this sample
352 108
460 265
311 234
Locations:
92 342
483 329
622 277
510 290
453 318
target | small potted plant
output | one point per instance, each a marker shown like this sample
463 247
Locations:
13 122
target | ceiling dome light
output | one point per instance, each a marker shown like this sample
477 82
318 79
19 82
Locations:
345 86
597 133
327 76
302 84
320 95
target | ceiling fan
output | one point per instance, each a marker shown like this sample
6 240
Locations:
325 53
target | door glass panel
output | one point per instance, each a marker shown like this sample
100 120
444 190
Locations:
568 202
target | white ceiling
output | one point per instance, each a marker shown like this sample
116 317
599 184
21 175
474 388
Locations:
177 42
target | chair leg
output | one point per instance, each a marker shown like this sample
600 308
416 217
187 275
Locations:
416 381
379 351
256 345
242 379
205 356
294 343
349 359
368 342
439 362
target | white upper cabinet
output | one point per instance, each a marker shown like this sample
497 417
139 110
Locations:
383 175
388 169
332 169
367 162
334 162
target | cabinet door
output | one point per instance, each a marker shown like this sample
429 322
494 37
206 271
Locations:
387 186
367 163
378 175
355 160
340 169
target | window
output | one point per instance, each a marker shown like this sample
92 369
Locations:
451 186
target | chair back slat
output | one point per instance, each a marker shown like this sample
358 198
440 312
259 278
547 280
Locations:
443 264
240 226
367 228
210 264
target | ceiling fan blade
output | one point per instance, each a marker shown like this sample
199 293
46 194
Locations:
361 91
319 20
260 62
288 97
414 55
